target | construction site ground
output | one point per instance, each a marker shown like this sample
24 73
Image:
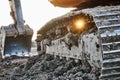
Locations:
46 67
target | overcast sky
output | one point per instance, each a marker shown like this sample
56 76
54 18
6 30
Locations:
35 12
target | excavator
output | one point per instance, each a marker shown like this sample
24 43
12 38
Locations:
15 38
97 26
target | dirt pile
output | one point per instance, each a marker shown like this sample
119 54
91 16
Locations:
46 67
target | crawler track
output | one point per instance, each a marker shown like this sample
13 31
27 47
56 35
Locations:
106 56
107 21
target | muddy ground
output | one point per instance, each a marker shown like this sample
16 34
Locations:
46 67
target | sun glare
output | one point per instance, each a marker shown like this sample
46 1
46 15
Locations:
80 24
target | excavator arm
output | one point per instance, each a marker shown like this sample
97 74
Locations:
16 13
16 37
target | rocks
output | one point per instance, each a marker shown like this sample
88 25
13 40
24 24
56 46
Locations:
46 67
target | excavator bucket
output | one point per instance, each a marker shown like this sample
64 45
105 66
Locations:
16 38
14 44
19 45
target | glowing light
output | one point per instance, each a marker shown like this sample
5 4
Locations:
80 24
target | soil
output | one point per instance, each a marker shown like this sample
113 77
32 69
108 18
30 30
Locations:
46 67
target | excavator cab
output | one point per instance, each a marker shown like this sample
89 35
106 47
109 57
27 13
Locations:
16 38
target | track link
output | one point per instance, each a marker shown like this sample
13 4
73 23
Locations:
108 24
